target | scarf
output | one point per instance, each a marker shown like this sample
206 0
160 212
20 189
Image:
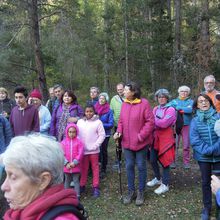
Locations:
55 195
102 109
63 122
206 116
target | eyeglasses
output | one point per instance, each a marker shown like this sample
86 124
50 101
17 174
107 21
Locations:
203 101
184 91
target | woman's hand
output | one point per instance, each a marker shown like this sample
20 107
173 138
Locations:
72 165
215 184
117 135
72 119
68 166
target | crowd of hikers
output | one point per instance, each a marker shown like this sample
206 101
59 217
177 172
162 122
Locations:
82 136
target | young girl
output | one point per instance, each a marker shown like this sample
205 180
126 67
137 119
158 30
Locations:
92 133
73 153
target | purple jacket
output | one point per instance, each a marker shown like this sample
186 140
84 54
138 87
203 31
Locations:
73 150
24 121
136 124
75 110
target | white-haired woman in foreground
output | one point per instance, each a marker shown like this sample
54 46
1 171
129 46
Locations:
34 182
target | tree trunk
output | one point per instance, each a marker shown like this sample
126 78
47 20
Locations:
126 40
35 39
177 44
204 46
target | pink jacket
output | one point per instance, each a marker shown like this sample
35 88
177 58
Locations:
92 134
136 124
73 150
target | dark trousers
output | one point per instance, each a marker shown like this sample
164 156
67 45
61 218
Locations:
104 154
206 172
156 169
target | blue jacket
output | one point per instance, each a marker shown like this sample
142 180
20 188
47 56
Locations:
204 141
186 106
5 133
107 121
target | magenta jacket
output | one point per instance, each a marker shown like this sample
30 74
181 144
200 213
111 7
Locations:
136 124
73 150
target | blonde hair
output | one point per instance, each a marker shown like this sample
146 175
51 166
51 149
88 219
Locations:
2 89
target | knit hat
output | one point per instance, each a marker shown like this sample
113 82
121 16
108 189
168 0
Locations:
163 92
36 94
105 95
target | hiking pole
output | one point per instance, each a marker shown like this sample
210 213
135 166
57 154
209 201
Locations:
118 154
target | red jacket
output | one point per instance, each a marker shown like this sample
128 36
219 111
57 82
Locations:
136 124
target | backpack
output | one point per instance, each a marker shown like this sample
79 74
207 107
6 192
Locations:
179 122
55 211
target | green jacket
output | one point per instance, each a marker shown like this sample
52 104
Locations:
115 105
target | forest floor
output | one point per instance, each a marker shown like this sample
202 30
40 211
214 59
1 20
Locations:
183 201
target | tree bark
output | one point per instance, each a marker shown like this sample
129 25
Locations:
177 44
126 39
35 39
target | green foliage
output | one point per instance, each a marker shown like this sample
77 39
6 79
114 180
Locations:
75 33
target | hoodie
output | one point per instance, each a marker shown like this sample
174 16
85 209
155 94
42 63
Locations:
73 150
24 120
92 133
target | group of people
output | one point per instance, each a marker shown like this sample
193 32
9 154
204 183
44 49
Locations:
84 136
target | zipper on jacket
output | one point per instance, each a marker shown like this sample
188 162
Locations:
71 153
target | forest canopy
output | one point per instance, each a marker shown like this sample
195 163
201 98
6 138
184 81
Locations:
81 43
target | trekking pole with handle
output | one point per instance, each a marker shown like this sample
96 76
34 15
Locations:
118 154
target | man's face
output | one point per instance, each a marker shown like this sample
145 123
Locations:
58 92
93 93
209 84
120 90
20 99
51 92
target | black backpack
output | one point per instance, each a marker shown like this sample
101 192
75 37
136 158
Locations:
179 122
55 211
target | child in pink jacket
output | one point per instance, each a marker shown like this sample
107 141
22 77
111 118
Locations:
73 153
92 133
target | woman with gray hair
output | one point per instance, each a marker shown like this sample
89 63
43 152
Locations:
163 146
184 103
34 168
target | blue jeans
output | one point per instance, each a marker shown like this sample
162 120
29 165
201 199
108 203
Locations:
206 172
156 169
138 157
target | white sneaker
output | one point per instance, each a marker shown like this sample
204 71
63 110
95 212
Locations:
161 189
154 182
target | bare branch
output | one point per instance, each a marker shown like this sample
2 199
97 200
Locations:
23 66
47 16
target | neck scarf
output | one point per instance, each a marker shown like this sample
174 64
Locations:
206 116
63 122
102 109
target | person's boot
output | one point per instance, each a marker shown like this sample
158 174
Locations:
129 197
140 198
